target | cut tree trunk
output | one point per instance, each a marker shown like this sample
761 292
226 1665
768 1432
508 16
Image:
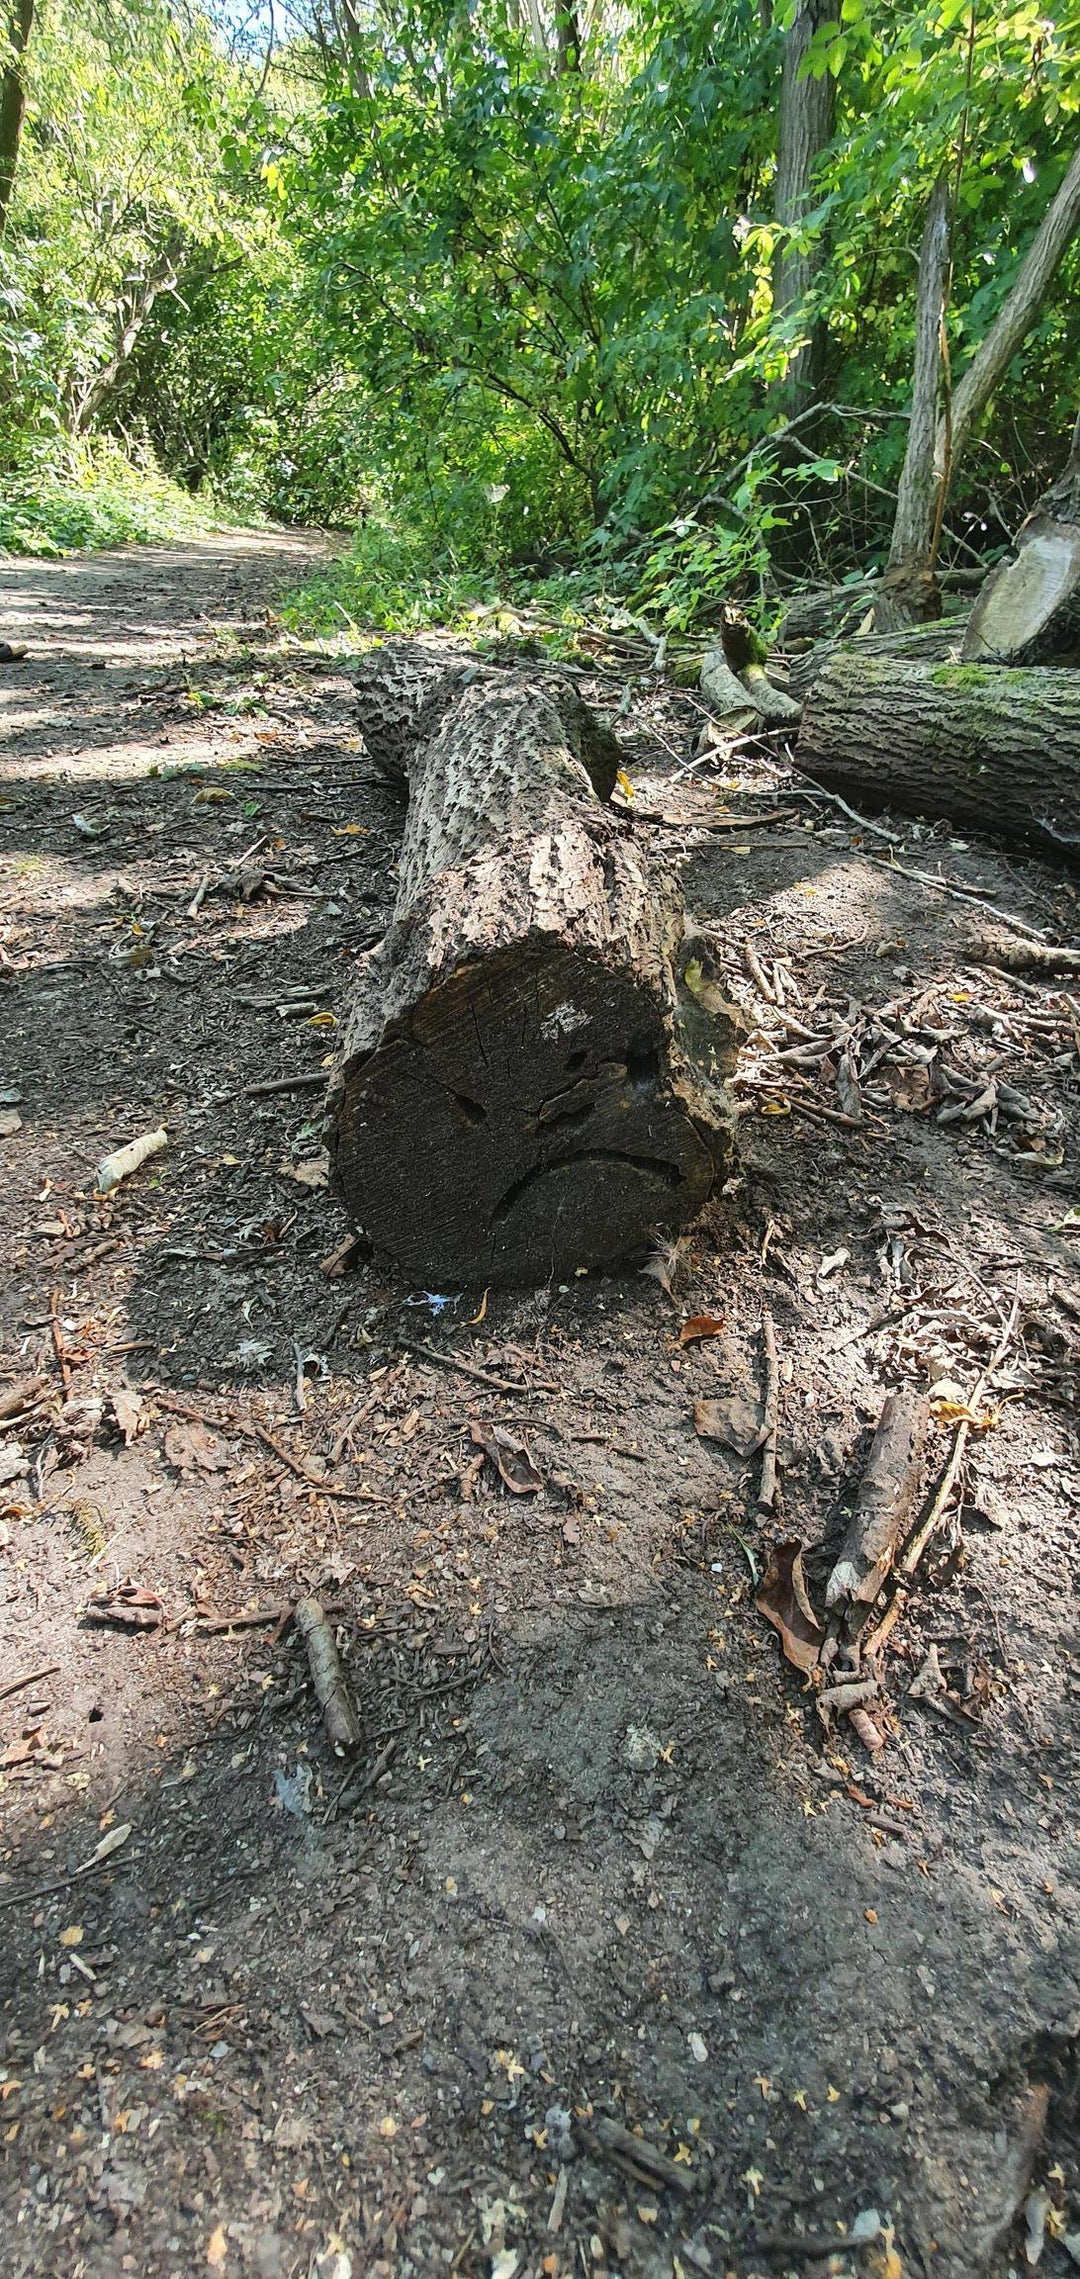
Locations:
527 1085
986 746
1028 612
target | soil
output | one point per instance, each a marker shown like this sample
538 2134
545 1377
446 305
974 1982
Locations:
601 1858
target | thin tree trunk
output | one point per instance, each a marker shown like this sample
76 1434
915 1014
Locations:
807 113
909 593
1013 322
567 37
13 101
130 324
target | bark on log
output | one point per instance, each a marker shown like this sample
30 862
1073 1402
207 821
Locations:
991 748
525 1087
1028 612
935 644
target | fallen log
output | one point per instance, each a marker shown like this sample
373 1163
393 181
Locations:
987 746
525 1087
1028 612
934 644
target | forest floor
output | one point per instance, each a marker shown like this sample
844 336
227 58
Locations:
600 1860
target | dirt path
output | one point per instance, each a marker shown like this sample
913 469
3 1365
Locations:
600 1860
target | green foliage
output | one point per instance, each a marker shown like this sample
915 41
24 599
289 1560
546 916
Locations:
515 320
91 494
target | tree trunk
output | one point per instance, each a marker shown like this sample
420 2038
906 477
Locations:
530 1072
1028 612
807 113
1013 322
13 101
567 37
131 318
909 593
990 748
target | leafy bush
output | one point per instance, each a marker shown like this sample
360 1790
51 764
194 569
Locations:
91 494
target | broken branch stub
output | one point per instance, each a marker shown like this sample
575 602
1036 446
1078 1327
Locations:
884 1502
525 1087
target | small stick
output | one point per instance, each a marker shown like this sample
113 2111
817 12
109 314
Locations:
259 1432
758 974
214 1625
199 896
344 1495
58 1341
451 1361
32 1678
949 1477
767 1490
328 1677
308 1082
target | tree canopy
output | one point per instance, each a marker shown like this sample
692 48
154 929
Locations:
625 292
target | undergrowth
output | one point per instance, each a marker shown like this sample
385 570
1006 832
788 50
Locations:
402 577
84 494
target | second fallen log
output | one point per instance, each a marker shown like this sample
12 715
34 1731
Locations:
531 1079
988 746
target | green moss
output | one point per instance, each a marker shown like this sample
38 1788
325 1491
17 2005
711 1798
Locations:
970 677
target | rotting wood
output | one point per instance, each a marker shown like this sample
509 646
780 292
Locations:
982 744
328 1677
884 1501
1022 957
642 2159
525 1087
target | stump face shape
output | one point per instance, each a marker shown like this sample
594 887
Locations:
517 1096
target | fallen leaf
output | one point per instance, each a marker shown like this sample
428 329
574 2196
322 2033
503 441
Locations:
848 1091
191 1448
700 1326
783 1601
510 1457
73 1936
313 1172
128 1411
735 1421
10 1123
217 2248
108 1845
128 1608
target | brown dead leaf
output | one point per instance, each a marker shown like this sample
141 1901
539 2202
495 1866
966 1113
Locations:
909 1085
342 1258
128 1411
700 1326
128 1608
848 1090
190 1448
735 1421
313 1172
783 1601
510 1457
